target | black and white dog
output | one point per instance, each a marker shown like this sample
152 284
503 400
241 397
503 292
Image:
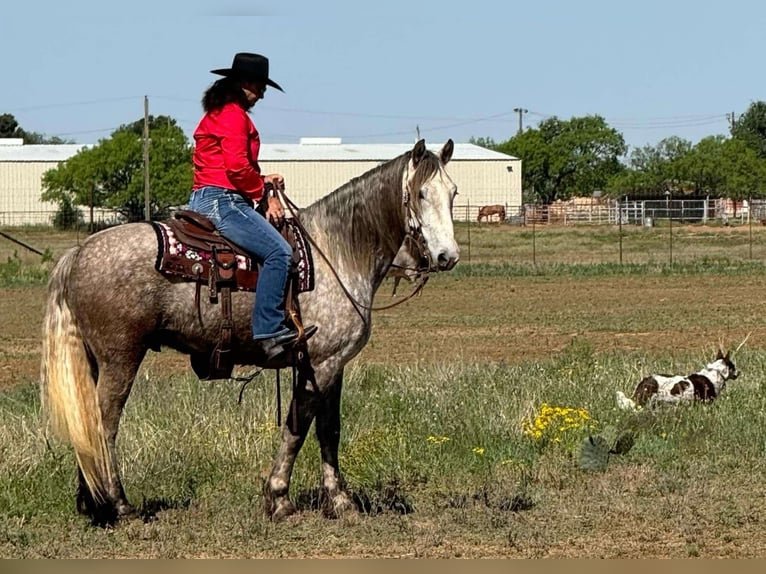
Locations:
704 385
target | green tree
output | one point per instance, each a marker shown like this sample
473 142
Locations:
651 170
704 166
9 128
110 174
745 171
726 167
750 128
485 142
566 158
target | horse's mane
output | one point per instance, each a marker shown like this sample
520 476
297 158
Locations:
366 215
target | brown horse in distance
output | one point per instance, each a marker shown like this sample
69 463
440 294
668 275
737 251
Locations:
488 211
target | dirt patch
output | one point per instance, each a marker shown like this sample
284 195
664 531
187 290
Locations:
489 319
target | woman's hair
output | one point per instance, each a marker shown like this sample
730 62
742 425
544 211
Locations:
222 92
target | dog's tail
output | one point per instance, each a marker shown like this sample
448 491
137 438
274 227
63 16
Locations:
624 403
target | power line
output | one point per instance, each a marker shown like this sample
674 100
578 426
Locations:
678 125
678 121
266 106
73 104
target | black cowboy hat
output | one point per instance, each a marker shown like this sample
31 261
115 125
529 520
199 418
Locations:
249 66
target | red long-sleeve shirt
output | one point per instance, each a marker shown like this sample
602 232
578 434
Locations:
226 152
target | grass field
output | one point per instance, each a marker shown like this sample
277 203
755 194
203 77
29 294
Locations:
435 411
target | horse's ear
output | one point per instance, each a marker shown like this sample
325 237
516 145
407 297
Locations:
728 355
418 152
720 354
446 153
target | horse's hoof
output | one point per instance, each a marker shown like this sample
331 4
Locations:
283 510
126 512
339 506
102 514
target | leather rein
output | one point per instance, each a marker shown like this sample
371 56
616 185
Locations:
414 235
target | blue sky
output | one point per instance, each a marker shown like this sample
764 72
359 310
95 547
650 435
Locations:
373 71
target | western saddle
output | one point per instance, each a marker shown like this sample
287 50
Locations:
221 272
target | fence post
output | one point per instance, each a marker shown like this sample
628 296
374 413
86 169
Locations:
468 226
619 219
534 255
750 222
670 227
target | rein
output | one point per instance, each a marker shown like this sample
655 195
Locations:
413 234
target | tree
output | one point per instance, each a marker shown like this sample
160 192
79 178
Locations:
485 142
722 167
110 174
565 158
750 128
704 166
745 171
652 169
9 128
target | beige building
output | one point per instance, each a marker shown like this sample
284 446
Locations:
316 166
21 171
312 168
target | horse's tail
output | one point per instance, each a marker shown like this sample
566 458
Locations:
68 388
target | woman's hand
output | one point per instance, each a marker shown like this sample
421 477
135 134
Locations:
275 213
277 180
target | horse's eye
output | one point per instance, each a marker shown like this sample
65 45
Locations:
422 193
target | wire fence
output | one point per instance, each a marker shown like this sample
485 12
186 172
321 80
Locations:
579 211
581 231
594 211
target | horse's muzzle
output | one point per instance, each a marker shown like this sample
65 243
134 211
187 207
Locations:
445 262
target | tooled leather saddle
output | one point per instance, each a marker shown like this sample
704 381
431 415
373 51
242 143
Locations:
191 248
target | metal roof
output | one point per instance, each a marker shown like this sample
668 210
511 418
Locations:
368 152
306 151
38 152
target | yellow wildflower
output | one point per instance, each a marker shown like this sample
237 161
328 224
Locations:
437 439
552 422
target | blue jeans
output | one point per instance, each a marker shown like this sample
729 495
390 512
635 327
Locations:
238 222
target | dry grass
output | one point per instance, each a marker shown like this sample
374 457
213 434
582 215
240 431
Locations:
470 359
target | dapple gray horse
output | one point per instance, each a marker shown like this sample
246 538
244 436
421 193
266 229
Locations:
108 305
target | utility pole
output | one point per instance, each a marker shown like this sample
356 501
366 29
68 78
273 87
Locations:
417 133
520 111
147 203
731 119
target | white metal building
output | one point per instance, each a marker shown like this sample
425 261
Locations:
312 168
21 171
316 166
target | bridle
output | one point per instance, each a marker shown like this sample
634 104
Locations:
414 235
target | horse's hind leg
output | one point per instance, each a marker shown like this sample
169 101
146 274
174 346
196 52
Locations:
115 380
336 500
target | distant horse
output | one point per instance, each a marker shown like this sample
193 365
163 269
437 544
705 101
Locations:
108 305
488 211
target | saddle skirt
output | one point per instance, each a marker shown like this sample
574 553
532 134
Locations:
190 248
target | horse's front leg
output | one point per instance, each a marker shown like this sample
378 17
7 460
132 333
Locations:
277 487
336 499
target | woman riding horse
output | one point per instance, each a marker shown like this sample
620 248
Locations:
228 183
